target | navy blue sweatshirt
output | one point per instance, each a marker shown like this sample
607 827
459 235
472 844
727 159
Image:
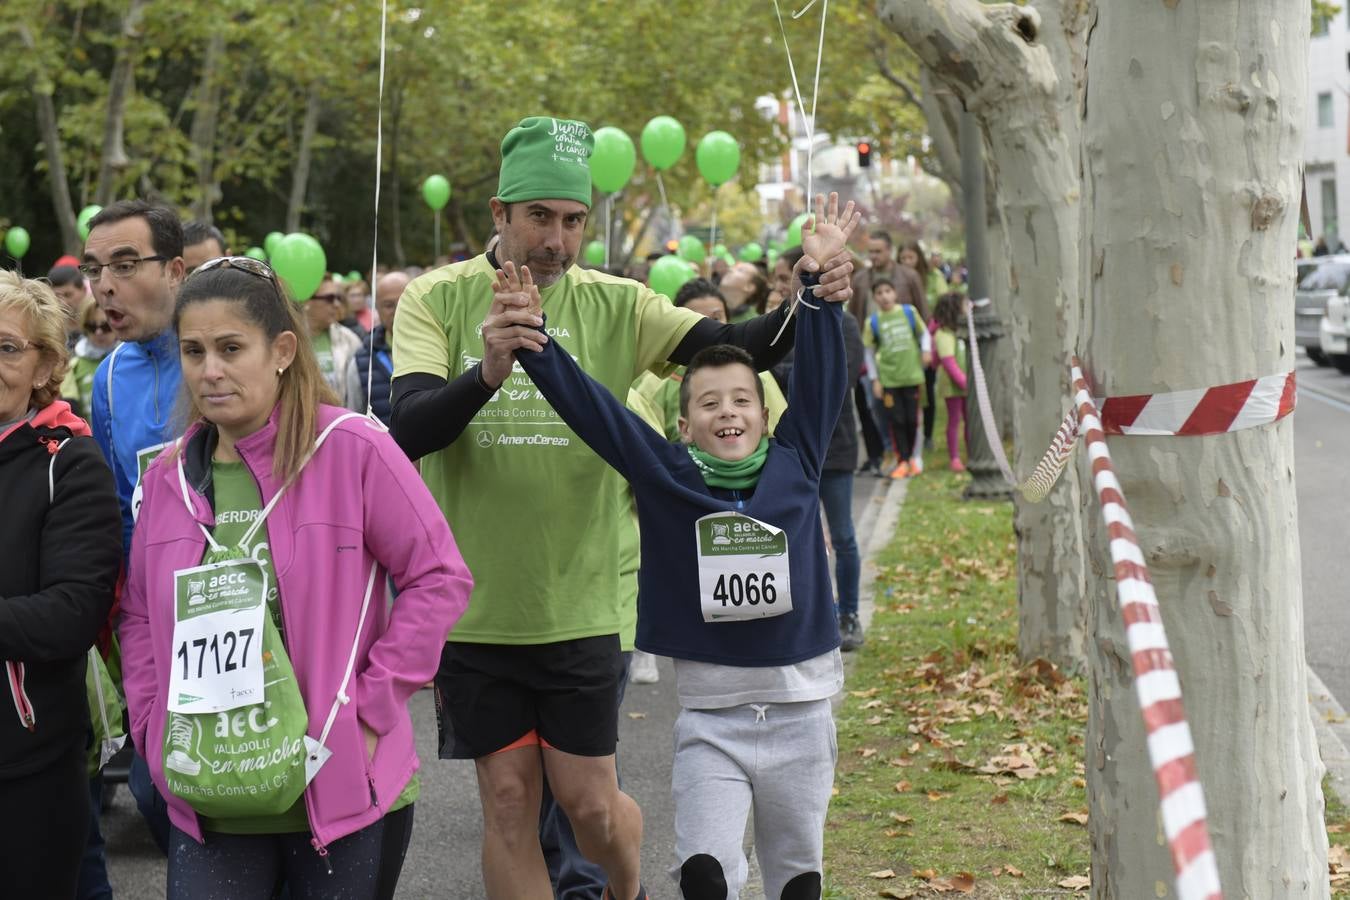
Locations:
671 496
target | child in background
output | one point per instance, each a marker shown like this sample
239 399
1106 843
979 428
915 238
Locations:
735 585
951 354
898 349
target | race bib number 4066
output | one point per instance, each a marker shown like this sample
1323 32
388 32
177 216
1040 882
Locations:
217 637
742 568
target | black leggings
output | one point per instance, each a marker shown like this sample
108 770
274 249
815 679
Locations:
43 828
364 865
929 405
862 400
902 418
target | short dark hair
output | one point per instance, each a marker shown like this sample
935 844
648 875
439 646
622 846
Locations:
697 289
886 281
60 276
166 230
880 235
199 232
715 357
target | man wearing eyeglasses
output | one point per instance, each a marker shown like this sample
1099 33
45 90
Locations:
133 259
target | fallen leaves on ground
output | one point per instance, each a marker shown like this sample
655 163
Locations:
1080 817
961 882
882 873
1076 883
1338 862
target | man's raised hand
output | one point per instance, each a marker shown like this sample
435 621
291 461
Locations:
511 324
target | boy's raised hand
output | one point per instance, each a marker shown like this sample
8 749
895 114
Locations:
826 232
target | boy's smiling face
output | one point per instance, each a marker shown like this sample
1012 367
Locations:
725 418
885 297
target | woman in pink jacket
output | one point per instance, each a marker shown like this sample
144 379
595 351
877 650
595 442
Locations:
277 504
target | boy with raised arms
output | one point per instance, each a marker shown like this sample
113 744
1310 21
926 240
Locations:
735 585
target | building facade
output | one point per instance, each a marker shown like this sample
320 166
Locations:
1326 147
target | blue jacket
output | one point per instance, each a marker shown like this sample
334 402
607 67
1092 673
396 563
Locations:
380 381
671 496
137 413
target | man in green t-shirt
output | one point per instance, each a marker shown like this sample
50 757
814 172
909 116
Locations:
530 676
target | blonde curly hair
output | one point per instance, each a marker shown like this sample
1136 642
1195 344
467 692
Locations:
46 317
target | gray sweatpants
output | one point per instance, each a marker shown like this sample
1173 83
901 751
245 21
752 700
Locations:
780 758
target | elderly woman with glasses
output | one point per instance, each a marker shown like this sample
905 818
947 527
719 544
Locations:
334 344
254 578
62 552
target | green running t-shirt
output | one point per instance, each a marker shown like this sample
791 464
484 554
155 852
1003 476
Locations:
948 344
899 359
323 351
238 504
535 512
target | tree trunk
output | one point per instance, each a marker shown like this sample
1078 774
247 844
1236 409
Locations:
1192 137
113 159
994 58
940 111
51 141
300 178
203 134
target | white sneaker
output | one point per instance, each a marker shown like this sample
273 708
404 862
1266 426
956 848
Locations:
643 669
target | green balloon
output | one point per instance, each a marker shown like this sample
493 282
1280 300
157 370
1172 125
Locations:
667 275
353 275
718 156
17 241
595 253
691 249
662 142
257 253
794 237
772 257
720 250
301 263
436 191
777 245
270 243
83 221
752 252
612 160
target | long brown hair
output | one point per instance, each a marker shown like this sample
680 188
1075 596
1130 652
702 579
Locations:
921 266
263 301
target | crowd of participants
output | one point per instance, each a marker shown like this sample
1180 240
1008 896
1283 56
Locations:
205 522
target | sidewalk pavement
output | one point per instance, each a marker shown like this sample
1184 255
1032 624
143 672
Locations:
1333 735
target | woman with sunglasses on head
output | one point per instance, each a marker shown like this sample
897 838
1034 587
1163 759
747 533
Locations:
334 344
63 550
240 526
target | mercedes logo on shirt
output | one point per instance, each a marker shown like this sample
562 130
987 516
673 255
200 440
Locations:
484 439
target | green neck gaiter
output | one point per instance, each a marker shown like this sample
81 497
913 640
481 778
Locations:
731 474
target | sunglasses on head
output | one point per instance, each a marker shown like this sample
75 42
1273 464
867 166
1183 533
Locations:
244 264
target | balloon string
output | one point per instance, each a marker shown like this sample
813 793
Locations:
661 186
609 226
375 243
808 124
713 236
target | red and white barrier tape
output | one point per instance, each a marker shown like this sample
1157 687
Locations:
1155 679
1216 410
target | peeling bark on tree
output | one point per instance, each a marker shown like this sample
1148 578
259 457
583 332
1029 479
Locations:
937 104
51 142
300 178
114 160
203 133
1192 141
995 59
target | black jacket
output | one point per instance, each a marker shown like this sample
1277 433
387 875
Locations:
843 452
380 381
61 561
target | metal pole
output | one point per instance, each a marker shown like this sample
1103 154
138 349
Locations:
986 482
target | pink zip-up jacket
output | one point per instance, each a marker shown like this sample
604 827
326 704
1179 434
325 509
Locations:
358 500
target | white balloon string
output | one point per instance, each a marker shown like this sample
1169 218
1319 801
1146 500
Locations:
375 242
609 225
665 203
712 242
808 123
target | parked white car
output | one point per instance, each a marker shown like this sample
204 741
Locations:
1333 333
1329 278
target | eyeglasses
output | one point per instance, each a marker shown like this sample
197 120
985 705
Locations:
244 264
121 268
12 350
103 328
330 298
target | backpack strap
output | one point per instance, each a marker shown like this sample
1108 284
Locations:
876 329
913 326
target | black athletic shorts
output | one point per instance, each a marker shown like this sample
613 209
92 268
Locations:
564 695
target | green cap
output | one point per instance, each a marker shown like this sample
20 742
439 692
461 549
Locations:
546 159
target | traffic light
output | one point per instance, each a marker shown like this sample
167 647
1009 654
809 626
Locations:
864 155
